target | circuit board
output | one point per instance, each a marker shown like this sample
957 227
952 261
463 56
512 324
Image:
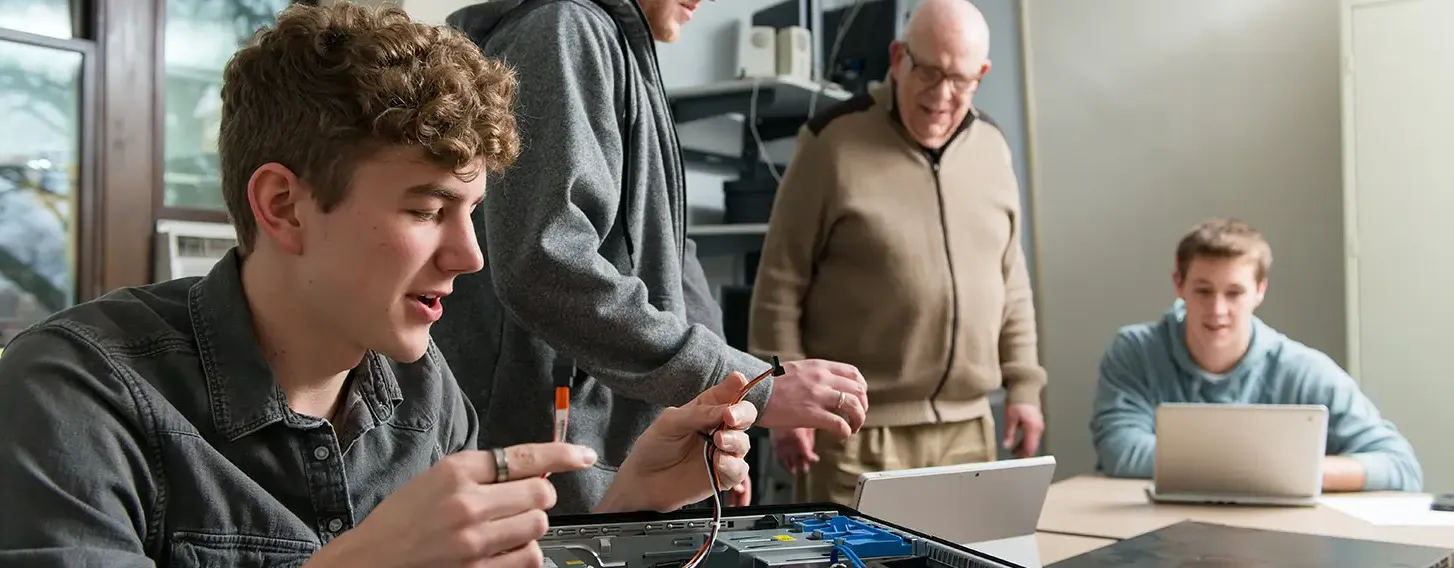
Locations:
824 537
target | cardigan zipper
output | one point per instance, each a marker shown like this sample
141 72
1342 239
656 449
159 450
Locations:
953 290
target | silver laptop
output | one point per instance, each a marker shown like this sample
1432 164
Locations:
991 507
1245 454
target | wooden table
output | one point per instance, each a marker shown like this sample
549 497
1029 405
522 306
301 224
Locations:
1056 547
1101 507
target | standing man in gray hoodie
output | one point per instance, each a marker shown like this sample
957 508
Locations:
589 278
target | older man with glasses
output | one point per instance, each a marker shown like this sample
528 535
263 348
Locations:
894 246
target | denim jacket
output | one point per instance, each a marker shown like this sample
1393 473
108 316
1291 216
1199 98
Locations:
144 428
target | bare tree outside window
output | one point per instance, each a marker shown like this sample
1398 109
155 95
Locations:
39 153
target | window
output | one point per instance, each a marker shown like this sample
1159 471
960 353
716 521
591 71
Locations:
45 90
51 18
198 39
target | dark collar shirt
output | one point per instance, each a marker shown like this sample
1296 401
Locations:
144 428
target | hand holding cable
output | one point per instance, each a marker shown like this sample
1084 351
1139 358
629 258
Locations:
665 472
710 451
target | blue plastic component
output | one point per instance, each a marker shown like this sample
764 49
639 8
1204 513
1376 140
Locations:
865 540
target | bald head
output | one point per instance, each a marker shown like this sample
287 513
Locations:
937 66
953 26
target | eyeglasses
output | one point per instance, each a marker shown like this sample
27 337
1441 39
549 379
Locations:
931 75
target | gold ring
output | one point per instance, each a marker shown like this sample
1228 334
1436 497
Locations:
841 395
502 467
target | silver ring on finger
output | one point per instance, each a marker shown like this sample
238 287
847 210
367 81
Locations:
841 397
502 466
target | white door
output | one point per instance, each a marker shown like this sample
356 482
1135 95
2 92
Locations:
1399 148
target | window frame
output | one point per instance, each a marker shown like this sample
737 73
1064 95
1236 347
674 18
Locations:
159 206
87 264
129 45
121 195
159 141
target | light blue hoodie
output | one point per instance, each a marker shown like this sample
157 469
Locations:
1148 364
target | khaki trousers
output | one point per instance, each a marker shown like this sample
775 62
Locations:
835 477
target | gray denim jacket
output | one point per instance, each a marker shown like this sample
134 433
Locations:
145 429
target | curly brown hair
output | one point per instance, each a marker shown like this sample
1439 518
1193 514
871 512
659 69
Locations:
1224 238
326 87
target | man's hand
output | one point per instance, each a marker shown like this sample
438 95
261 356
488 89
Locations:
666 471
1342 473
1027 419
793 449
818 394
740 496
455 514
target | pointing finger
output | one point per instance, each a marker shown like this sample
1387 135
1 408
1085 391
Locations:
524 460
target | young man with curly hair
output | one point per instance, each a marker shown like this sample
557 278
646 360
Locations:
590 274
290 407
1209 348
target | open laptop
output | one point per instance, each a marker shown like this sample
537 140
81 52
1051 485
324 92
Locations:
1244 454
991 507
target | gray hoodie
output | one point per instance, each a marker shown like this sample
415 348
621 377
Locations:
587 260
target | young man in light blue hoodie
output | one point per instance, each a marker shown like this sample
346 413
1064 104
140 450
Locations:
1208 347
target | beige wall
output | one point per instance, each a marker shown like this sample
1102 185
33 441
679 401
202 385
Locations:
1400 82
1149 115
429 11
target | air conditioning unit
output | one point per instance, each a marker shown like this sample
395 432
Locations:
189 248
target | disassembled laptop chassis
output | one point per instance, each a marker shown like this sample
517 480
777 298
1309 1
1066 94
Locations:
819 536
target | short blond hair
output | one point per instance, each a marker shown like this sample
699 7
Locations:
1224 238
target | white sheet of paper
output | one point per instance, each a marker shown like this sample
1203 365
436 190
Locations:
1391 510
1020 550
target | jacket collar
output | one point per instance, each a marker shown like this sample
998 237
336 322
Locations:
886 96
245 397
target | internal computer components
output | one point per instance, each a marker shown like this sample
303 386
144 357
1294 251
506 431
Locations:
758 537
